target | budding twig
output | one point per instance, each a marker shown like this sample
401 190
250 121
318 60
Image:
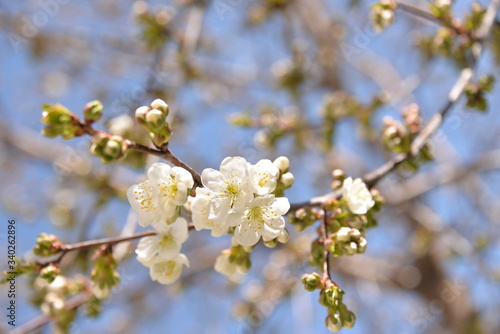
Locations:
165 154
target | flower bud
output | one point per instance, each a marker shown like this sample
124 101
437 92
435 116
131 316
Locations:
270 243
108 149
348 320
103 276
244 266
343 234
287 180
155 120
338 174
362 244
93 111
140 114
47 245
283 237
351 248
50 272
282 163
333 322
160 105
224 265
312 281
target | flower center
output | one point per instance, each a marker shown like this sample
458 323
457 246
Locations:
167 241
165 268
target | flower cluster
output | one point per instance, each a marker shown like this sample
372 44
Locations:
158 201
244 198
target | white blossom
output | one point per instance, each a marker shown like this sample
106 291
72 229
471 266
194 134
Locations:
168 271
357 195
165 245
263 216
171 186
230 188
141 199
263 176
199 208
156 199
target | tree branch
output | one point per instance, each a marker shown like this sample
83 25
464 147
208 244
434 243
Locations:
373 177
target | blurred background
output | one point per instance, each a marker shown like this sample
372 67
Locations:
309 80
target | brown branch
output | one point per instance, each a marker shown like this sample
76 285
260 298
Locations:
99 242
165 154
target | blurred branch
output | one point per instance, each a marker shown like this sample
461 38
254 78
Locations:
373 177
41 320
446 173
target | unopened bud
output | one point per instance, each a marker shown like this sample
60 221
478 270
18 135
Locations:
287 180
140 114
160 105
47 245
282 163
348 320
49 272
312 281
155 120
283 237
343 234
333 322
338 174
93 111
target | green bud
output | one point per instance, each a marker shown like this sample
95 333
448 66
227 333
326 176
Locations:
93 111
312 282
49 272
155 120
162 137
47 245
333 322
108 149
112 148
348 320
270 243
59 121
50 131
104 277
283 237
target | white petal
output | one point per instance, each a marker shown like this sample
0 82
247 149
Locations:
281 205
234 168
157 172
211 179
183 176
246 236
147 248
179 230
